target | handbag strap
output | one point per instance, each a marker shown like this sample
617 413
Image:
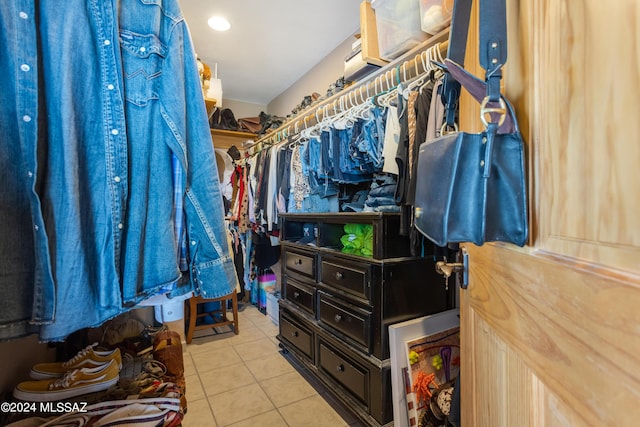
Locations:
492 53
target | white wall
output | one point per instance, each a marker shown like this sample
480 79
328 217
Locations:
18 356
318 79
243 109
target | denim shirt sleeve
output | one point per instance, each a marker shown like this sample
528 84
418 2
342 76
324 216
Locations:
211 265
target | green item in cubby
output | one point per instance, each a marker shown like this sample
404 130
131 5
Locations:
358 239
367 247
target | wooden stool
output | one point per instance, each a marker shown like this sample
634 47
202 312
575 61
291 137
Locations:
193 314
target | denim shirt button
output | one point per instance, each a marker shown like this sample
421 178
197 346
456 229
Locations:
110 87
116 178
30 174
35 227
23 15
114 131
120 226
25 67
193 243
107 42
26 118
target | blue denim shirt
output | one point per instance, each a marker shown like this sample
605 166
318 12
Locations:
26 283
117 94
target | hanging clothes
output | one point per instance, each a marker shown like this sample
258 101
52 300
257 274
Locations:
284 172
391 141
271 216
244 222
298 179
423 105
424 102
95 148
262 186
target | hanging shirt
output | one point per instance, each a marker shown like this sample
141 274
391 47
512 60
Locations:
391 140
271 208
117 94
26 279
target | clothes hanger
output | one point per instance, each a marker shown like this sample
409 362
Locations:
295 138
368 106
313 131
339 119
358 106
385 100
425 60
377 98
418 81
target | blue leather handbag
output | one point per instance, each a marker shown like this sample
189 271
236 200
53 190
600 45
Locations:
471 187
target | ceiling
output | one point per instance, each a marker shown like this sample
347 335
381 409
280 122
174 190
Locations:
271 44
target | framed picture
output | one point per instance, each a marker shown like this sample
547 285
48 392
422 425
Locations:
415 334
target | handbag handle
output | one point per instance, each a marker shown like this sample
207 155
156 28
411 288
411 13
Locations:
492 54
477 89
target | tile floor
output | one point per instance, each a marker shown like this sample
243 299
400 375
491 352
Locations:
244 380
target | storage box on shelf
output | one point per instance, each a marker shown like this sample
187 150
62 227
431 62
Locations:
435 15
336 307
399 26
369 35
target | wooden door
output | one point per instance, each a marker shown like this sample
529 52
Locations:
551 332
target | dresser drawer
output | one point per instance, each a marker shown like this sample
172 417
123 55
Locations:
300 263
299 336
349 277
350 320
350 376
301 295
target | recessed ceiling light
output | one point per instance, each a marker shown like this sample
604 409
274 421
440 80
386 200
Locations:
219 23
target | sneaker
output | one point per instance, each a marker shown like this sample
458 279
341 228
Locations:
73 383
86 358
143 342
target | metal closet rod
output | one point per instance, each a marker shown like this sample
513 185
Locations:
387 78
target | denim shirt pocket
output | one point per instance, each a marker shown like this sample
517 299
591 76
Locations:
142 57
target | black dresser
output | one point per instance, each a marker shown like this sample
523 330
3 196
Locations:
336 307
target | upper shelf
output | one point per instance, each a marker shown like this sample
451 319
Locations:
226 138
234 133
211 105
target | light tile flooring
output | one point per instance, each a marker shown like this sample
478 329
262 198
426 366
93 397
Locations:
244 380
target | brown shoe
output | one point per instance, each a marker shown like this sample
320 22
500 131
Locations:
167 349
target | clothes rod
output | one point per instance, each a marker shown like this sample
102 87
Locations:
405 68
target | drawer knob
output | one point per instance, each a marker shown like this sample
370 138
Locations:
294 334
339 275
298 261
337 318
340 368
296 294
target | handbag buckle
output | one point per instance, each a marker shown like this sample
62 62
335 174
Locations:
445 129
486 111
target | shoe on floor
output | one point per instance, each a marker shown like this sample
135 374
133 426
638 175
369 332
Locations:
73 383
89 357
